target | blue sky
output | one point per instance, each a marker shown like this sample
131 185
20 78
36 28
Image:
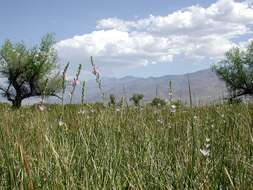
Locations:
134 37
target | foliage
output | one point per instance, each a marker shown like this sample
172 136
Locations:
112 101
136 99
237 71
29 71
148 148
158 102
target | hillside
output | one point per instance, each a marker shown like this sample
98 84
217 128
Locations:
205 85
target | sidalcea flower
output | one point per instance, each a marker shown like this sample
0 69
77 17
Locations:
75 82
173 108
205 152
61 123
160 121
66 78
42 107
208 140
81 112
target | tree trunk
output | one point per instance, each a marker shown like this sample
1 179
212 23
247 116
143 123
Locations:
17 102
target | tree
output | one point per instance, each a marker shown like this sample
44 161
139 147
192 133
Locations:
29 72
158 102
112 101
136 98
237 71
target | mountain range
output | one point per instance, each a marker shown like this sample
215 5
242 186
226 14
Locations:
205 87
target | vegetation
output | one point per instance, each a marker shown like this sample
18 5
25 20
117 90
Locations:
91 146
29 72
148 148
112 101
237 71
158 102
136 99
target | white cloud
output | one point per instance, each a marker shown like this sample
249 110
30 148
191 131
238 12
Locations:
192 33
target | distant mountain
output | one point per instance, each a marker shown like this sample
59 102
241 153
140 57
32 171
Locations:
205 87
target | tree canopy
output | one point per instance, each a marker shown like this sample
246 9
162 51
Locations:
29 72
237 71
136 98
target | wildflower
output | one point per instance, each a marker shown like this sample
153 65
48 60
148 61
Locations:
81 112
160 121
117 109
208 140
205 152
42 107
75 82
61 123
66 78
173 109
195 117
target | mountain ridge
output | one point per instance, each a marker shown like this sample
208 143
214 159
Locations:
205 86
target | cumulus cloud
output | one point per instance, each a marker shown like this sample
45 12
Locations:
192 33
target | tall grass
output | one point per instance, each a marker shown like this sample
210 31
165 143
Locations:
131 148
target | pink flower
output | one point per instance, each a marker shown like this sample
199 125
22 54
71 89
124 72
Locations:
75 82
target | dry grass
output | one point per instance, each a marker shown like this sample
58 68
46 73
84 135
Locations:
131 148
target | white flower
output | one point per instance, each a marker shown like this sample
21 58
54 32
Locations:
205 152
117 109
61 123
195 117
81 112
208 140
42 107
160 121
66 78
173 108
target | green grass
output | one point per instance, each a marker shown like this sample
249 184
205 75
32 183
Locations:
146 148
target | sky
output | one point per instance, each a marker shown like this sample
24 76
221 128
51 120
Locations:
135 37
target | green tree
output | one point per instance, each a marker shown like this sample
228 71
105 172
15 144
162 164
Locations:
158 102
136 98
112 101
29 72
237 71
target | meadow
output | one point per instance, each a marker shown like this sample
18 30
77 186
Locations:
90 147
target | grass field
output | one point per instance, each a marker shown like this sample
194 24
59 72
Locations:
128 148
